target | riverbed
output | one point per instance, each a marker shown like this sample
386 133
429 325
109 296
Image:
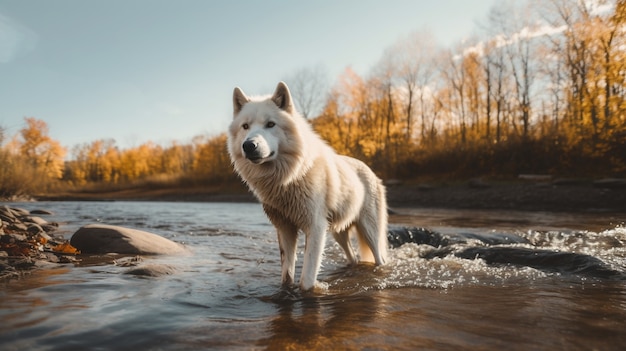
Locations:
226 294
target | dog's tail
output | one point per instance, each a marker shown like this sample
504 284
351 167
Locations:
372 225
382 241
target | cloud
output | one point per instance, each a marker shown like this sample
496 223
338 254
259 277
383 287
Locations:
598 7
15 39
525 33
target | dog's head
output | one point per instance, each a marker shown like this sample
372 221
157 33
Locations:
259 126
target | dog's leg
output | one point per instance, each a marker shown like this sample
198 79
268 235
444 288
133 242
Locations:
343 239
313 252
287 241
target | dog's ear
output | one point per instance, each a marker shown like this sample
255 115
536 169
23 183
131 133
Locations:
239 99
282 98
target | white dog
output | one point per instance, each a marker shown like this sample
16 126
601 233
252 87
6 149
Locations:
304 185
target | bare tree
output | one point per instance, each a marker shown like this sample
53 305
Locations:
413 59
496 73
454 75
518 32
309 86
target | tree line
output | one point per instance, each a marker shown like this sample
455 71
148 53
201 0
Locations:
541 89
34 163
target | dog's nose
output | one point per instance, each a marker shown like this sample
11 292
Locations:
249 146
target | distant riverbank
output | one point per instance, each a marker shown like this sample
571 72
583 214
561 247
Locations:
558 195
562 195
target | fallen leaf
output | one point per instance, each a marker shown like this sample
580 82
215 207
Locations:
65 248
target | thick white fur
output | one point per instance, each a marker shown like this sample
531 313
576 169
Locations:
304 185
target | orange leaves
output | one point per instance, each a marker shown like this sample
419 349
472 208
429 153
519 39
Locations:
31 247
66 249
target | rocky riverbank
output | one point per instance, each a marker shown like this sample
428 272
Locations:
27 241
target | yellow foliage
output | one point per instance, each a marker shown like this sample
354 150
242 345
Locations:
42 151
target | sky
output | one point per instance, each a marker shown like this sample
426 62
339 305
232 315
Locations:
163 71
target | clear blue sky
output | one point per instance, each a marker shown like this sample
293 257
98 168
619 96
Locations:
139 70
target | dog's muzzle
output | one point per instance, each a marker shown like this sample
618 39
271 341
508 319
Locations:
253 152
250 148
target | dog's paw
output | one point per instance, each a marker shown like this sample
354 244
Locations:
320 287
316 288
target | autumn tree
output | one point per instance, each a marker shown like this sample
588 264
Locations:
211 161
31 161
36 146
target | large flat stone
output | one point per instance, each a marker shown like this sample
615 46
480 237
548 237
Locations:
102 238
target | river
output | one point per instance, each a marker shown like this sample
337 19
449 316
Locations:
226 295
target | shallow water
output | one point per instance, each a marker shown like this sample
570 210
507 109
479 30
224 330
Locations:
227 295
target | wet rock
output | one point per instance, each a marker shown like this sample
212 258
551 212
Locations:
490 238
102 238
128 261
12 238
18 226
152 270
50 257
6 215
40 212
6 219
68 259
19 212
34 219
544 260
45 236
7 271
397 236
34 228
421 236
50 227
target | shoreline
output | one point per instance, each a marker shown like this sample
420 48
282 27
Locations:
565 196
581 197
556 196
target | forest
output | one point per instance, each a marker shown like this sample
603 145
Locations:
541 90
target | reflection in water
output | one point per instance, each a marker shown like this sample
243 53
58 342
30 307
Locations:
433 294
319 322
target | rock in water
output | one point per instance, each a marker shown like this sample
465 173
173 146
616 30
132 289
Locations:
102 238
151 270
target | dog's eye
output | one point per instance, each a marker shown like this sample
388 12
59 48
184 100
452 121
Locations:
245 126
270 124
